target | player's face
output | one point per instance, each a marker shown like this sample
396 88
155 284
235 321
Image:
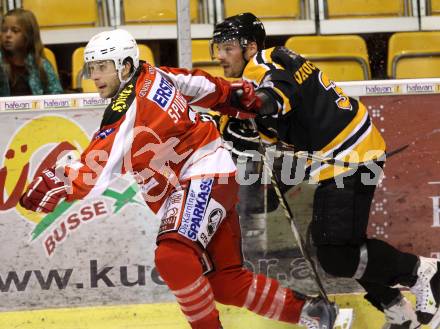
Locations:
12 36
230 55
105 77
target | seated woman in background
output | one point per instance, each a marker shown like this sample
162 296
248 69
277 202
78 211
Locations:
25 68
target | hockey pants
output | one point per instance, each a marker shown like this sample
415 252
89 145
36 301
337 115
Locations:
199 277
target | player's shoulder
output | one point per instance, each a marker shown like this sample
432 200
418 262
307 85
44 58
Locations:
277 58
286 57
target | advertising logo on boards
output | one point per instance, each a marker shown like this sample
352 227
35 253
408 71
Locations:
22 153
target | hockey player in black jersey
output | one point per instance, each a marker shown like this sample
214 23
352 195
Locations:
313 115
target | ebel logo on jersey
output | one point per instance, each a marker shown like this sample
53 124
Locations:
195 207
214 215
104 133
162 93
214 218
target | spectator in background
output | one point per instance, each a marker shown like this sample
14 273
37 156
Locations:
22 60
3 77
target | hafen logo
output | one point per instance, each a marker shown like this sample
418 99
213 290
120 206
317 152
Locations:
120 104
36 141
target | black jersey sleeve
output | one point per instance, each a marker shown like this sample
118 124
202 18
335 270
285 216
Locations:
271 70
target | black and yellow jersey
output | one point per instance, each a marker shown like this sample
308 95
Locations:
314 114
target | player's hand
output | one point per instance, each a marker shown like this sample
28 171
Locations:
244 96
242 103
44 193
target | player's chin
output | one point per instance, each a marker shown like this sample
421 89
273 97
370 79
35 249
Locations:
228 73
104 93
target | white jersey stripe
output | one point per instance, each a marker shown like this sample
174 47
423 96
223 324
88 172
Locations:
251 292
122 143
202 314
263 296
354 131
195 295
206 300
344 153
208 160
195 86
269 314
280 301
191 287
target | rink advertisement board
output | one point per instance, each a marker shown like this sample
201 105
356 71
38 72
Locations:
100 251
406 207
93 252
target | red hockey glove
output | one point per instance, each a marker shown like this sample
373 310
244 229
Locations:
243 103
44 193
243 93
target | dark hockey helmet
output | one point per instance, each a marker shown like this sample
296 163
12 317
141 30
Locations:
243 27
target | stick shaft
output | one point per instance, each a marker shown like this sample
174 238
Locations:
289 216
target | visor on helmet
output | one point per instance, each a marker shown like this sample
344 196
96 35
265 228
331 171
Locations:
101 67
222 46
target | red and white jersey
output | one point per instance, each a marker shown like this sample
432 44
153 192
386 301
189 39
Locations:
150 130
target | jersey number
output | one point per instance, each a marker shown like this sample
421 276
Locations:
343 102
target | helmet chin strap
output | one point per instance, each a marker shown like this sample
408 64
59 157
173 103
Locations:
122 81
243 50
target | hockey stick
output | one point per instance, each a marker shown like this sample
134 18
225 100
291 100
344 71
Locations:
289 150
344 319
289 215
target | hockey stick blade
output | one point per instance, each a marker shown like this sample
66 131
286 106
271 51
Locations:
345 319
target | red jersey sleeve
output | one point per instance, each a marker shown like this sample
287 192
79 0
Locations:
199 87
102 160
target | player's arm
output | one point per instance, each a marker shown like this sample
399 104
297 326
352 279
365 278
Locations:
98 164
202 89
265 102
77 178
198 86
275 93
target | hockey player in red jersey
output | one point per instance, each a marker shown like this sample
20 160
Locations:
313 115
186 177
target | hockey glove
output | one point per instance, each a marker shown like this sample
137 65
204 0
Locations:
44 193
244 96
242 102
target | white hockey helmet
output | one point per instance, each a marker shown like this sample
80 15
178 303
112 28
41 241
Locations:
115 45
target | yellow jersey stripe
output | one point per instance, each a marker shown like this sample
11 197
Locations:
348 131
286 103
370 146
